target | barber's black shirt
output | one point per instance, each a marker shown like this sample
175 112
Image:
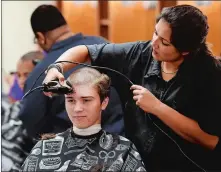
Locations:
195 92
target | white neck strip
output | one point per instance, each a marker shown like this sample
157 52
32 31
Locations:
87 131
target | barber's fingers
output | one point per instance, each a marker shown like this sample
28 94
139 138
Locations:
61 78
137 97
137 92
49 94
136 87
52 75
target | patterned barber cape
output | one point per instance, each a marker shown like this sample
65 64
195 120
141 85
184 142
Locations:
70 152
15 142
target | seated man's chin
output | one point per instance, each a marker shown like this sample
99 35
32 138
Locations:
80 125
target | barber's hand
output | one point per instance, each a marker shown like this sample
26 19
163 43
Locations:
145 99
53 74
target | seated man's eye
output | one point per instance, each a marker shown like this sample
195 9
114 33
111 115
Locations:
86 100
70 100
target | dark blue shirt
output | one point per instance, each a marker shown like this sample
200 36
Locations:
41 114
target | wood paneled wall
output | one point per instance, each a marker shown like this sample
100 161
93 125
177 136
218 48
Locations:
162 4
130 23
81 16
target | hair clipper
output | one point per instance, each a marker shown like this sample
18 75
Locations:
55 87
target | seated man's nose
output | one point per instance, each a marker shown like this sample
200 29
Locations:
78 107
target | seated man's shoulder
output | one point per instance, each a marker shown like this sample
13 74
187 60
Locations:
47 141
124 139
52 136
64 133
126 142
117 139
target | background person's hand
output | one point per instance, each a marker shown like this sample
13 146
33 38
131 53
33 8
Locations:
53 74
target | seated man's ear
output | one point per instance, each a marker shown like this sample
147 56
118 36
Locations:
104 103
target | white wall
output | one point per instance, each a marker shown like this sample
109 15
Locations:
17 36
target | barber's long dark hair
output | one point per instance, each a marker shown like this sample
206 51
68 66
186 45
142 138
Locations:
189 29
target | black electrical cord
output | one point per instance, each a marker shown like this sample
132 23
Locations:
30 91
98 67
83 64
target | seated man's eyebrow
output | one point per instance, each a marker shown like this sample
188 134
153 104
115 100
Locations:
68 97
85 97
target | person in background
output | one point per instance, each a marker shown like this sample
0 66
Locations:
85 146
41 114
172 109
16 144
15 92
24 67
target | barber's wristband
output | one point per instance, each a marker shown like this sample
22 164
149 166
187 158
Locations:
58 67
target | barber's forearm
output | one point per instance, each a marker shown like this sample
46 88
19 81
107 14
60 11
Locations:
185 127
75 54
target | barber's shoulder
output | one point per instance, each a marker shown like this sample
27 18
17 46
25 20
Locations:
141 45
146 45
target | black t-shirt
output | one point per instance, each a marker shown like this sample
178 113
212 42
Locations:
195 92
